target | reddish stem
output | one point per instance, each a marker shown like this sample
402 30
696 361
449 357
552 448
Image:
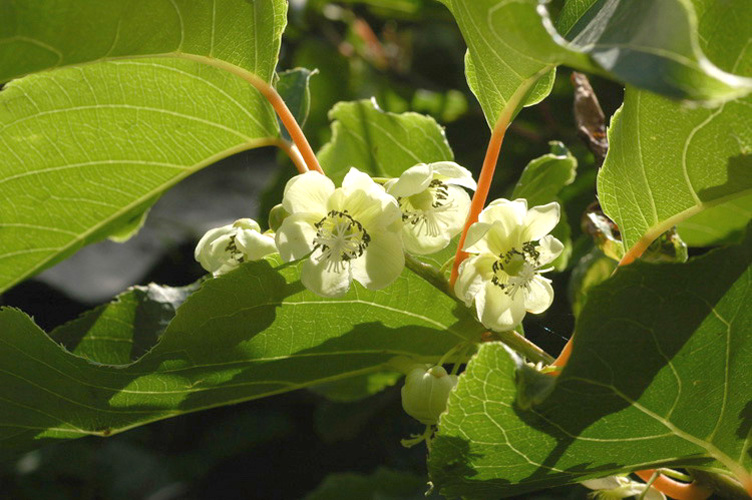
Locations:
481 194
675 489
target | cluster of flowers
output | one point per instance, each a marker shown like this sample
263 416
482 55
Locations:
361 230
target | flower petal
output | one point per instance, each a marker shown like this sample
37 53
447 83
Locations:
473 273
452 173
324 280
423 244
497 310
381 263
375 209
255 245
541 220
307 192
356 180
496 240
602 483
455 215
412 181
247 224
294 239
549 248
539 296
511 213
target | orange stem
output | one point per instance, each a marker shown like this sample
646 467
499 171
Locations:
294 155
288 120
481 194
675 489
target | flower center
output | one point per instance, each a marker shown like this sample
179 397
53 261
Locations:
419 210
516 268
340 239
233 250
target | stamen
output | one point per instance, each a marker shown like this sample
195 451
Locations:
340 239
516 269
423 218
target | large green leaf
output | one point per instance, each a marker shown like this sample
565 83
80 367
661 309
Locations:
35 36
380 143
666 161
723 223
659 375
85 149
653 45
248 334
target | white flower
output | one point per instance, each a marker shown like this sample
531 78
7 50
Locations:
613 487
426 391
223 248
510 245
434 205
352 232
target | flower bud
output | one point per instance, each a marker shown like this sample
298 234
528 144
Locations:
277 216
426 391
224 248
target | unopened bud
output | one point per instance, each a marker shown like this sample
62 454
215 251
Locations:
426 391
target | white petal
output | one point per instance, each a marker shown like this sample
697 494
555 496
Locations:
355 180
496 240
602 483
549 248
541 220
247 224
473 273
452 173
202 247
455 215
474 239
255 245
423 244
216 255
511 213
497 310
540 296
307 192
381 263
654 494
412 181
324 281
294 239
375 209
509 216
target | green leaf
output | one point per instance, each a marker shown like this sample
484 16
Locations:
250 333
545 176
541 182
667 162
721 224
122 331
380 143
84 150
381 484
593 269
292 86
35 36
357 388
652 45
658 376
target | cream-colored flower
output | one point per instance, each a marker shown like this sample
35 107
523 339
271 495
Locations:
509 247
224 248
426 391
433 202
351 232
613 487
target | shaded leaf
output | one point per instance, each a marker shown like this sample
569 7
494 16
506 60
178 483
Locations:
292 86
657 376
382 483
251 333
123 330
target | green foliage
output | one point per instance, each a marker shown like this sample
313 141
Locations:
380 143
657 376
513 44
35 37
248 334
383 483
292 86
668 161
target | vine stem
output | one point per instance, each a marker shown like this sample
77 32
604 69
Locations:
674 489
489 164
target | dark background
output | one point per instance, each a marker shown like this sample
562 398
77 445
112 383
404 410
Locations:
284 447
